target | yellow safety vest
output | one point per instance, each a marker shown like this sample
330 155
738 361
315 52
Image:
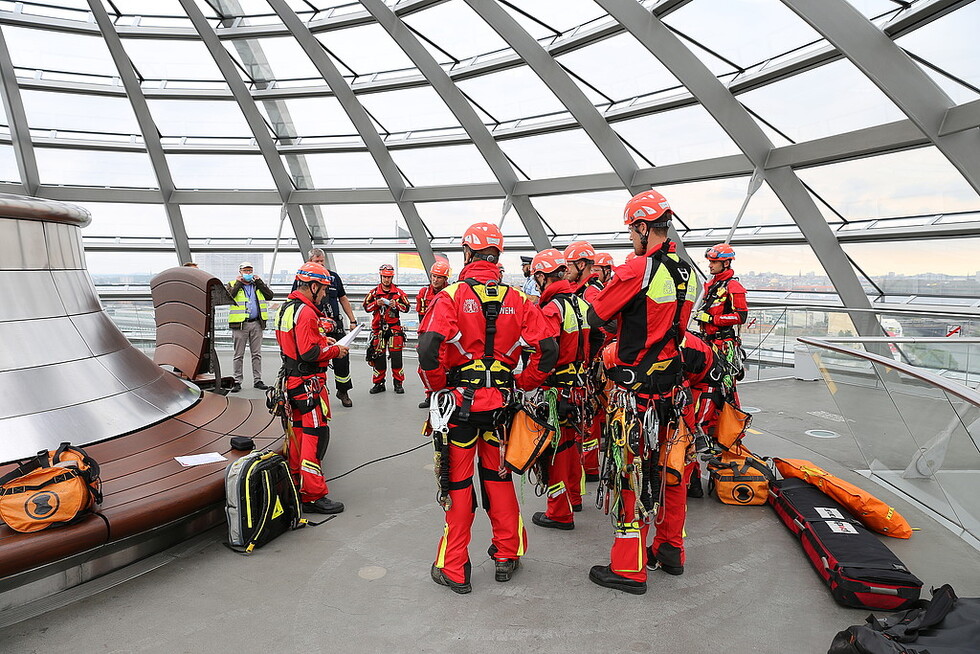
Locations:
238 311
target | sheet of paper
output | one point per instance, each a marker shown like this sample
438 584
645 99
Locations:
350 336
199 459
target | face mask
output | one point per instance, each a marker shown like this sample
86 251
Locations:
249 277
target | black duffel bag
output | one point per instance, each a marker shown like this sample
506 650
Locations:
946 625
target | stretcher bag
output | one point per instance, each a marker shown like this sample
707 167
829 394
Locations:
945 625
732 423
526 440
55 488
872 512
739 479
859 569
262 501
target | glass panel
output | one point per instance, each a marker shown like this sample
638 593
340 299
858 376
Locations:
930 267
832 99
409 110
722 26
338 170
584 213
677 136
361 221
175 118
949 43
601 64
58 51
235 222
94 168
455 164
310 117
172 59
280 58
83 113
906 183
8 164
560 16
468 36
780 268
526 94
127 267
556 155
452 218
116 219
382 55
225 171
874 8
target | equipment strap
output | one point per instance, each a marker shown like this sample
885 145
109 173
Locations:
491 311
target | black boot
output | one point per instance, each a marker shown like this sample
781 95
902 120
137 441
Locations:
504 570
377 388
694 488
425 404
604 576
324 505
443 580
541 520
399 389
669 560
344 398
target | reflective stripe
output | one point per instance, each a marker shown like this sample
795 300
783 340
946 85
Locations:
441 556
556 489
520 535
238 311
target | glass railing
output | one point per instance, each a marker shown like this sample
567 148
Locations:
917 429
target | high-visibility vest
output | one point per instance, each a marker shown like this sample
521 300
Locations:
238 311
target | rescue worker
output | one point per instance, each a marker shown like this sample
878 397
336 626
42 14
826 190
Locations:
470 343
438 279
561 464
301 331
386 301
650 298
723 308
603 267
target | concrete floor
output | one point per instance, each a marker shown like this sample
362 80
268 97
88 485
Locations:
360 583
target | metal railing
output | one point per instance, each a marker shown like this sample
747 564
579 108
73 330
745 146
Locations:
917 430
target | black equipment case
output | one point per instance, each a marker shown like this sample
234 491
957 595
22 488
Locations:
860 570
261 500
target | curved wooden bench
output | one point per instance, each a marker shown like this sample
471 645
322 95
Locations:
144 486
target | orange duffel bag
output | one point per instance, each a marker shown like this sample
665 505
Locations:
54 488
872 512
527 438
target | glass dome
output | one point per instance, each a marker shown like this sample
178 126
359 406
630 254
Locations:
222 130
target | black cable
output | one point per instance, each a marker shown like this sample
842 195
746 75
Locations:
390 456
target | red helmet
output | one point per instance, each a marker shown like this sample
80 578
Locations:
387 270
609 355
440 268
578 251
720 252
604 259
548 261
482 236
648 205
630 256
313 272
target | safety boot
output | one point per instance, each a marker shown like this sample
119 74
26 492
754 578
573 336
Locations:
399 389
324 505
440 578
344 398
505 569
542 520
669 560
377 388
694 489
604 576
425 404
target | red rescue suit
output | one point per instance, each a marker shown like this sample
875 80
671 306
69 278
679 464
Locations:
588 290
387 334
643 299
452 345
301 331
723 307
566 313
424 300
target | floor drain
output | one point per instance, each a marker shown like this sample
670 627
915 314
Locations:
821 433
751 409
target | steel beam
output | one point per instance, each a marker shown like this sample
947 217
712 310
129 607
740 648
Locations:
148 128
259 130
898 77
465 114
20 133
362 122
746 133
